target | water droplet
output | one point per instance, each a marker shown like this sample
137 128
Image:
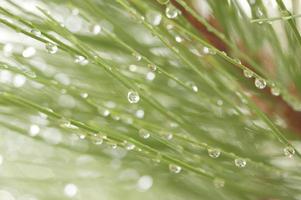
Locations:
178 39
207 50
106 113
139 113
96 29
163 1
171 11
275 91
36 32
174 168
137 56
82 136
219 102
150 76
240 163
248 73
133 97
70 190
168 136
51 48
154 18
97 140
218 182
67 124
81 60
34 130
193 86
260 83
214 153
289 151
145 183
152 67
129 146
8 49
144 134
84 95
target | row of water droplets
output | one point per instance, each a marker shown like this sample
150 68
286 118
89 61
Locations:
133 96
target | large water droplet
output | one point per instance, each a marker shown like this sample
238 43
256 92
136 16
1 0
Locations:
133 97
174 168
51 48
144 134
171 11
240 163
289 151
214 153
260 83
